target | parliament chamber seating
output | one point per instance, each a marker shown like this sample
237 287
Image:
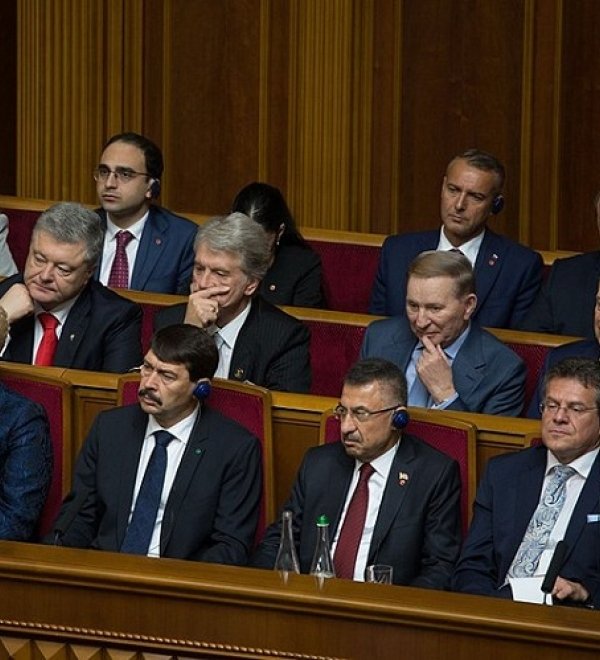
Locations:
249 406
54 395
455 438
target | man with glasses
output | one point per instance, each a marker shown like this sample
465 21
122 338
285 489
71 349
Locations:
168 477
390 498
527 502
59 316
146 247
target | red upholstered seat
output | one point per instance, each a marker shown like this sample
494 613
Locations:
54 395
20 227
249 406
534 356
452 437
348 273
334 348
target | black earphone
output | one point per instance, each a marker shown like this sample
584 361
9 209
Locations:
202 390
497 204
400 419
155 188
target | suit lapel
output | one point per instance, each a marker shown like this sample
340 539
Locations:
244 352
128 467
193 454
400 481
337 486
487 266
74 330
151 249
468 369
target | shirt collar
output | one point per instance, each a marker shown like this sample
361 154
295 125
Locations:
382 464
136 228
470 249
582 465
180 431
230 331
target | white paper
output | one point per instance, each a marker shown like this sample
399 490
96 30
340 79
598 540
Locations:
529 590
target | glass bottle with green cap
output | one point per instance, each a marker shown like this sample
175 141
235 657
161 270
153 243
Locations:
322 563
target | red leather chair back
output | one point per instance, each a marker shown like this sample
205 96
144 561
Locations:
20 227
534 356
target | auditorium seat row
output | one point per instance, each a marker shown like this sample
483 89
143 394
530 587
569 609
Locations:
349 259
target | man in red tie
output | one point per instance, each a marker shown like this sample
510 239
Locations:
391 498
57 314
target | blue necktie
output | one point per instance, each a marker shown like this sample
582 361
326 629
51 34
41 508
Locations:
139 532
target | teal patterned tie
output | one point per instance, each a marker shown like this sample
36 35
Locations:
541 524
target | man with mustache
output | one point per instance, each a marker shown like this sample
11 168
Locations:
508 274
450 362
168 477
146 247
411 517
58 315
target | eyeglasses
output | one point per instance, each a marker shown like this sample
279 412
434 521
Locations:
360 414
575 409
122 174
167 377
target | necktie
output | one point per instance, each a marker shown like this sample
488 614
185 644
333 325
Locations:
119 273
354 524
47 347
418 394
540 526
139 532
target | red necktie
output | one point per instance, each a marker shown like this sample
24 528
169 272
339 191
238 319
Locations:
119 273
47 347
354 524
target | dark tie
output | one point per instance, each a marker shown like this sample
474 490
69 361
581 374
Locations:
354 524
139 532
47 347
119 273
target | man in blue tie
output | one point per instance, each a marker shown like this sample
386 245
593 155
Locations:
527 502
450 362
167 477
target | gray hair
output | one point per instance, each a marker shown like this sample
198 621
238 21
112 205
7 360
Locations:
239 235
484 161
445 263
68 222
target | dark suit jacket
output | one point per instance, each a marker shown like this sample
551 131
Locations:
212 510
566 301
102 332
25 465
506 498
488 376
418 526
165 256
507 276
272 348
586 348
294 278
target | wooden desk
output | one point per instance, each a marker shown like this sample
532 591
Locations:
80 603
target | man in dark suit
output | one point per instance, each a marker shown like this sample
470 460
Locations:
257 341
25 465
205 506
411 521
529 501
450 362
589 348
145 247
58 315
565 301
508 274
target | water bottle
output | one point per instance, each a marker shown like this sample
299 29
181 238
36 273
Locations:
287 560
322 564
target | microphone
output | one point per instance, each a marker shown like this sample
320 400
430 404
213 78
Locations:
64 521
555 565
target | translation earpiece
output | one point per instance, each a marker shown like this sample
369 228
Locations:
498 204
155 187
202 390
400 419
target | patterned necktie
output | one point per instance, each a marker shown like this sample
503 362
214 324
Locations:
140 529
541 524
119 273
354 524
49 342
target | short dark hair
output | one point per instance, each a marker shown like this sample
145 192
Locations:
445 263
584 370
152 154
369 370
188 345
482 160
266 205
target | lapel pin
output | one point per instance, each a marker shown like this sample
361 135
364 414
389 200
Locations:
197 452
403 478
272 287
71 337
157 241
238 374
493 260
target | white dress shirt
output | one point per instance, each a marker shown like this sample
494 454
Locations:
110 247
